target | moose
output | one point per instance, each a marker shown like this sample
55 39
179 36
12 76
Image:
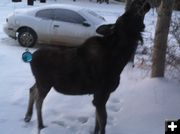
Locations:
91 68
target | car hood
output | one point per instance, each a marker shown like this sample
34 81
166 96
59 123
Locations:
24 11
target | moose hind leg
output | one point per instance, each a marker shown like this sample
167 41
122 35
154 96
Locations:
41 94
32 94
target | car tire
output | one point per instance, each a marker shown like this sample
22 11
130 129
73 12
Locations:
27 37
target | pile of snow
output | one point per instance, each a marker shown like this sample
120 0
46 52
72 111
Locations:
140 105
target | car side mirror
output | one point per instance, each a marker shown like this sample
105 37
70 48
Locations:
86 24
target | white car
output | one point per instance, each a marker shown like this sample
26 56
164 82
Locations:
53 24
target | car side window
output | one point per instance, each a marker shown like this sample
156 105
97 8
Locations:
68 16
45 14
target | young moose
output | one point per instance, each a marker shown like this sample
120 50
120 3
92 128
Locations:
92 68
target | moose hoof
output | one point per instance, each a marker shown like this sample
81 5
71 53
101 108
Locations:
41 127
27 118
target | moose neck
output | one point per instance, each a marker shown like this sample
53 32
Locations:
122 55
124 43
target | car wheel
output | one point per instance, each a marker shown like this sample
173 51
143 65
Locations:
27 37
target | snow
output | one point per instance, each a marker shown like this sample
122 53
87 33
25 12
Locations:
140 105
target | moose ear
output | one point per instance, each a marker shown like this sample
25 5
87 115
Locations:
147 7
105 29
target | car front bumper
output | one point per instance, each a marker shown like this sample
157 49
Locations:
11 32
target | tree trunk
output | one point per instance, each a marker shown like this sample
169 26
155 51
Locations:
161 36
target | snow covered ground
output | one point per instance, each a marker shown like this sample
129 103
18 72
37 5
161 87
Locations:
140 105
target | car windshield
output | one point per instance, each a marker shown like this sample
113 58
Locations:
95 15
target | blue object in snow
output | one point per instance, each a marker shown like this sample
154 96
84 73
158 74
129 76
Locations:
27 56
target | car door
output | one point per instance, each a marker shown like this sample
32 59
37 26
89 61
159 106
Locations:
68 27
43 29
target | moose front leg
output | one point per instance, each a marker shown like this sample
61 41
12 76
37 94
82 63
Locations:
101 118
96 129
101 115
